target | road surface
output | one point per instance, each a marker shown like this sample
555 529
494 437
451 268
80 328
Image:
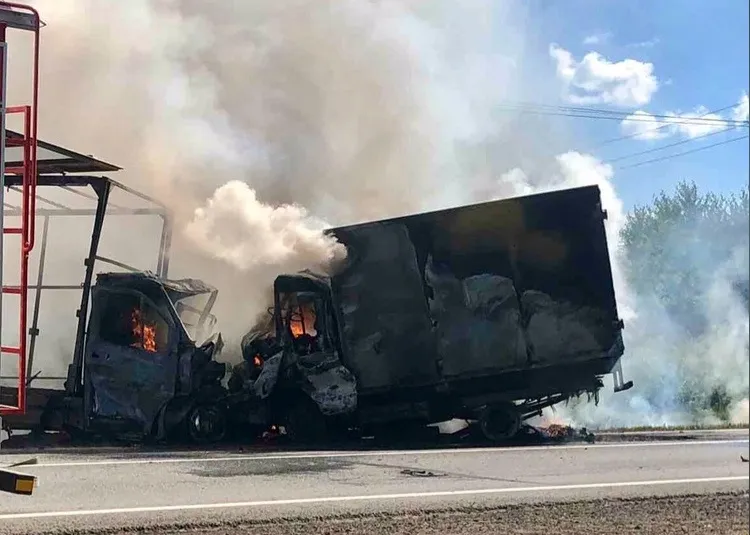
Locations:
111 490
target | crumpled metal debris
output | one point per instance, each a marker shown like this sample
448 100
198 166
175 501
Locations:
418 473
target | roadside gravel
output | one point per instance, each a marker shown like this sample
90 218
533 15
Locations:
726 514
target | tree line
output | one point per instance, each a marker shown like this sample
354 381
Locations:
675 248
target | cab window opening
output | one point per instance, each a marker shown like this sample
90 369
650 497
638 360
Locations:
132 321
303 321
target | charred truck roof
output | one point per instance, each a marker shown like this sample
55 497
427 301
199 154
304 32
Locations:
144 280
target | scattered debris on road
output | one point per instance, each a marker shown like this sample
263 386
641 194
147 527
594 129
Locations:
744 459
418 473
16 482
557 432
529 435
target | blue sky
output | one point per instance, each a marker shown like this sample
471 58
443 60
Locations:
699 52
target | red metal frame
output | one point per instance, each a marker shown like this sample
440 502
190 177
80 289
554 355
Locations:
27 230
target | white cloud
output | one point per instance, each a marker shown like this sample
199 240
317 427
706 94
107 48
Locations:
699 122
742 111
644 126
596 80
650 43
597 38
707 124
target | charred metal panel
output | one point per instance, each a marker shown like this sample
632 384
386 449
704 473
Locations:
385 325
478 322
565 277
329 384
559 330
129 384
320 375
269 375
552 247
505 284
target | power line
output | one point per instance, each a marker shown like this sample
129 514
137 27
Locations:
675 144
593 113
637 119
677 155
662 127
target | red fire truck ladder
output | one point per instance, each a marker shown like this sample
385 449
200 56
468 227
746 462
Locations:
19 17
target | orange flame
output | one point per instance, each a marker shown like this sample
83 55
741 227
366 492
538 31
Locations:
145 334
304 322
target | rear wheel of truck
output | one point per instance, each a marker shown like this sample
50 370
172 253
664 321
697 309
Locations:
500 422
304 423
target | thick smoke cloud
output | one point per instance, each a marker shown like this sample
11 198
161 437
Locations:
353 110
259 123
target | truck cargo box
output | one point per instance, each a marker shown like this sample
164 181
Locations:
478 291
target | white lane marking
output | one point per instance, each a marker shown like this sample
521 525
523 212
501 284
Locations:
366 498
386 453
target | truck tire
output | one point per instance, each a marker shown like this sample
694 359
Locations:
500 422
206 424
304 423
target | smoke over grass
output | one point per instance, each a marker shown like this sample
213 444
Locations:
256 122
677 268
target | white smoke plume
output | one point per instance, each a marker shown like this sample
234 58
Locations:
258 121
235 227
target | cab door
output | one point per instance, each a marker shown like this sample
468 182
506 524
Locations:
311 360
131 360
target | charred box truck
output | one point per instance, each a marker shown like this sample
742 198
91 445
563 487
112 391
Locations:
488 312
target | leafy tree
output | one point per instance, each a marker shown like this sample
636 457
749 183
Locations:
674 247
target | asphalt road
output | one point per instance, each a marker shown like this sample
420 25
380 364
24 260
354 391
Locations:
81 491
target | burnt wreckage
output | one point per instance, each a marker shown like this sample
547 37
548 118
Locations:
143 357
488 312
144 374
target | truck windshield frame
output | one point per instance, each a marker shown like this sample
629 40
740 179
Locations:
303 324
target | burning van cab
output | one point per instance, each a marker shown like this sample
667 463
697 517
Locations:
144 372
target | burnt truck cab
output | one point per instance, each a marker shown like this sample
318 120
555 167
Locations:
292 370
148 368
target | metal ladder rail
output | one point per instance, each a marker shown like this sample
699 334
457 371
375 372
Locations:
19 16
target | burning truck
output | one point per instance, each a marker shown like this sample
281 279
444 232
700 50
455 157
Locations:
488 313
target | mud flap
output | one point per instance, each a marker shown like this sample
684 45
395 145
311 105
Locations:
620 385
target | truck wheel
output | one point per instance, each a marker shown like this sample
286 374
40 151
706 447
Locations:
304 423
206 424
500 422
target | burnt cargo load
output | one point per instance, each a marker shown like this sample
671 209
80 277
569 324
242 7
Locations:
490 312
